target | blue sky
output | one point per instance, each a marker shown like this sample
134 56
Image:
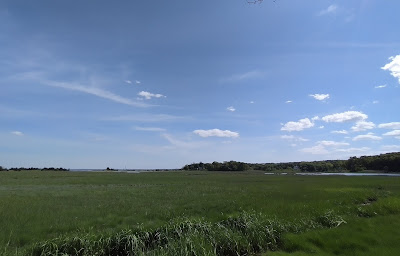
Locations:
159 84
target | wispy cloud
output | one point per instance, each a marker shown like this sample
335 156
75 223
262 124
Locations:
392 125
147 118
293 138
393 66
363 126
320 96
96 92
297 126
315 150
353 150
329 10
244 76
149 95
326 147
329 143
369 136
128 81
392 133
348 116
288 101
390 148
138 82
179 143
340 132
216 133
149 129
380 86
17 133
231 108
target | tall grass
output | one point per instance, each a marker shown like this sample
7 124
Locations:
247 233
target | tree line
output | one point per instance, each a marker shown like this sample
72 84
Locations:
33 169
389 162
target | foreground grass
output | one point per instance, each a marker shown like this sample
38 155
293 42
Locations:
360 236
43 206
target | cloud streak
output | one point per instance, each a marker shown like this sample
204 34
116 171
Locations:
329 10
392 125
363 126
216 133
320 96
348 116
96 92
231 108
369 136
244 76
149 129
149 95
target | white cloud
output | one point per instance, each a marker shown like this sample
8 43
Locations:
297 126
392 133
149 129
181 144
392 125
17 133
148 118
315 118
216 133
320 96
231 108
288 101
321 127
138 82
327 146
330 10
315 150
369 136
348 116
352 150
363 126
251 102
340 132
128 81
148 95
244 76
391 148
97 92
293 138
329 143
393 66
380 86
375 102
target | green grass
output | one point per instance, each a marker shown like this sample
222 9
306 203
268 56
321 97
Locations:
41 206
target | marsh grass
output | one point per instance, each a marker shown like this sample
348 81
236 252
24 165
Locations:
247 233
57 207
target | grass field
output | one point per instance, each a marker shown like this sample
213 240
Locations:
40 206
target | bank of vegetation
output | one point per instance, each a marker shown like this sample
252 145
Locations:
389 162
245 234
33 169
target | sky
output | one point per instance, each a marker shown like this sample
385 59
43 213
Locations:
161 84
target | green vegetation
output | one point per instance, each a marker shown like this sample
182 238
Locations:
33 169
198 213
389 162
